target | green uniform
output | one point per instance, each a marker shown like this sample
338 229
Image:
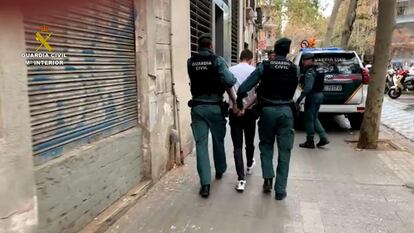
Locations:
205 118
313 102
276 122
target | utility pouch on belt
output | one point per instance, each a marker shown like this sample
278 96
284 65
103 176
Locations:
224 106
256 111
295 111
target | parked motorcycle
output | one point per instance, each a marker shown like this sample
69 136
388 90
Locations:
389 80
402 81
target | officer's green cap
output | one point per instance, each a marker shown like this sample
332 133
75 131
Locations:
283 43
205 36
307 56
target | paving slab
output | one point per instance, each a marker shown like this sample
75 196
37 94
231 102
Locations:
399 116
335 190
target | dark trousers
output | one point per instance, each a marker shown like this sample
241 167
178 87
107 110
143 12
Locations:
276 123
205 119
239 125
312 124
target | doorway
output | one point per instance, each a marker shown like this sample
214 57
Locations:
219 31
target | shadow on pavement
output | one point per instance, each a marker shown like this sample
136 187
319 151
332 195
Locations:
331 123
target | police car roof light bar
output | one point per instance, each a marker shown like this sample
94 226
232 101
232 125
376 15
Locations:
320 49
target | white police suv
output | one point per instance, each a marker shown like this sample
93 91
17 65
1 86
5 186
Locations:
346 82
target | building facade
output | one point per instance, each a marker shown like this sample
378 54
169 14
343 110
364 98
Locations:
251 26
93 119
270 27
232 24
106 110
403 41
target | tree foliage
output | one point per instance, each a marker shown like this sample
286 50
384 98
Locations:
302 12
363 33
273 12
363 36
349 23
304 20
331 24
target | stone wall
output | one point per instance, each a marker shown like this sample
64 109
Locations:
153 44
77 186
181 49
17 193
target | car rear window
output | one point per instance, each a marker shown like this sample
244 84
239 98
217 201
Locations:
337 63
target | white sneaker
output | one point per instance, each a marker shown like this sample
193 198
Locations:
241 185
249 170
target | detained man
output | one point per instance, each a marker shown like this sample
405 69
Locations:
243 123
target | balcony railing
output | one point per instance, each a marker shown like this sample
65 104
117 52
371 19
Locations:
403 19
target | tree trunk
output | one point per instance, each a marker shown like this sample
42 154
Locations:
331 24
349 23
368 138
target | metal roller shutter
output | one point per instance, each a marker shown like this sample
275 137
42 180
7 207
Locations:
201 20
234 30
94 94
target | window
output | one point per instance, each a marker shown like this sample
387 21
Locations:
252 4
402 8
337 63
346 63
401 11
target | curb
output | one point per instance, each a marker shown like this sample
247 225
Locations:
115 211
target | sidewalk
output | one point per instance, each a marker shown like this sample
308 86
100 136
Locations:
398 117
333 190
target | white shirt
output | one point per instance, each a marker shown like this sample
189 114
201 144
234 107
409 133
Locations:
241 71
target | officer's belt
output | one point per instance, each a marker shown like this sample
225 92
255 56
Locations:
265 103
193 103
211 95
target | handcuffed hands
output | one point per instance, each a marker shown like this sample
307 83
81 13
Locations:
241 112
237 111
240 106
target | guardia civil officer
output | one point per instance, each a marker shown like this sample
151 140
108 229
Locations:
209 79
278 81
313 82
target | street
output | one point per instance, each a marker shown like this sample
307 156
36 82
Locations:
100 101
335 190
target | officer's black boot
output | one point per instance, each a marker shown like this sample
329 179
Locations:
205 191
310 144
280 196
323 142
267 185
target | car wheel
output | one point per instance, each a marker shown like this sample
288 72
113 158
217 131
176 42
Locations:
355 120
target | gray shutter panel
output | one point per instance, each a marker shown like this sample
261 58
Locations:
234 30
94 94
201 20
